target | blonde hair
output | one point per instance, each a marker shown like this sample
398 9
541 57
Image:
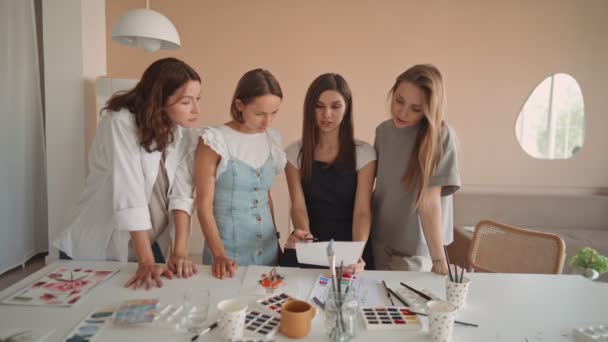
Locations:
427 149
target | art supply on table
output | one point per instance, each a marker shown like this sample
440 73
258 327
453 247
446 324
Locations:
390 318
271 281
136 311
457 292
340 308
441 320
260 324
388 294
319 302
231 321
324 283
414 300
455 322
296 318
89 328
208 329
314 253
289 282
421 294
399 298
591 333
447 258
274 302
64 286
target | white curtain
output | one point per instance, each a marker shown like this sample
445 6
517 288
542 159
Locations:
23 200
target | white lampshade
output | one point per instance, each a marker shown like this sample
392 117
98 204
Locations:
147 29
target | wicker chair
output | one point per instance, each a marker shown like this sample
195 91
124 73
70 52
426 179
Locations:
501 248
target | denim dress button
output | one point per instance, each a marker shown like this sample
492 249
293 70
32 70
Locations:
258 218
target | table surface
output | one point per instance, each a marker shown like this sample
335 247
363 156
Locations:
507 307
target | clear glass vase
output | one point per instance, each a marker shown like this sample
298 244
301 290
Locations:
341 316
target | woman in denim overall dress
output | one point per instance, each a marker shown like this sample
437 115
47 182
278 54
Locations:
236 164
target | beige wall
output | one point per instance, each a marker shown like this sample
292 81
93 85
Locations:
492 56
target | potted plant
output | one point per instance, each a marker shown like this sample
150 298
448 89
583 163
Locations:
589 262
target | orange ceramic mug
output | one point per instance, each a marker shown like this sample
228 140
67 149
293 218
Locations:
296 316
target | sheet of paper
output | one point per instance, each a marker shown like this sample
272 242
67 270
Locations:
315 253
64 286
368 290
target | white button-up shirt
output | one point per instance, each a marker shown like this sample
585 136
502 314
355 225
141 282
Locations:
119 185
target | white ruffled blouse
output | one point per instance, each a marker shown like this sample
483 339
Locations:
251 149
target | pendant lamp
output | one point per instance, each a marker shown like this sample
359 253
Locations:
147 29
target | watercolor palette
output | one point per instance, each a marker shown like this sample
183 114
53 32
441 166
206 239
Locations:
274 302
261 324
88 329
390 318
593 333
136 311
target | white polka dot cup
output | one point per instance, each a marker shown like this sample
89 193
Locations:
231 321
441 320
456 293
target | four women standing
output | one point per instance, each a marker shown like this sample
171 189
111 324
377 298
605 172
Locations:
143 166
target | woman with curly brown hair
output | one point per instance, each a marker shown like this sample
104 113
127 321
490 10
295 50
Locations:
140 180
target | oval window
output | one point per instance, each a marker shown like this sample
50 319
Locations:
551 124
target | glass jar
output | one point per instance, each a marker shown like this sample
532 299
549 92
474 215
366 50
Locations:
341 315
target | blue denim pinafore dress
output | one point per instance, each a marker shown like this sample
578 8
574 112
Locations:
242 213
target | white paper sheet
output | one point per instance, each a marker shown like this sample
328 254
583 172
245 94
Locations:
315 253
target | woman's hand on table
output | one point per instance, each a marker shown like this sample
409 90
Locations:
440 267
355 268
148 275
298 235
224 266
181 266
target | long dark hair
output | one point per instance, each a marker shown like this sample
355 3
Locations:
149 97
310 132
254 83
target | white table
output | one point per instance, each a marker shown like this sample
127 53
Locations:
507 307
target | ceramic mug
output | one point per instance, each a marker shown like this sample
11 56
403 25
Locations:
296 317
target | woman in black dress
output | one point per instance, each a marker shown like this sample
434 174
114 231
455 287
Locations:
330 174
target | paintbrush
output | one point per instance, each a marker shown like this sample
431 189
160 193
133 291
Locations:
421 294
388 294
398 297
447 258
457 322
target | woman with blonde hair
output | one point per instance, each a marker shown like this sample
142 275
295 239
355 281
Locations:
416 176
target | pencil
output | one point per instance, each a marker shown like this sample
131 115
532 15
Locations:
421 294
